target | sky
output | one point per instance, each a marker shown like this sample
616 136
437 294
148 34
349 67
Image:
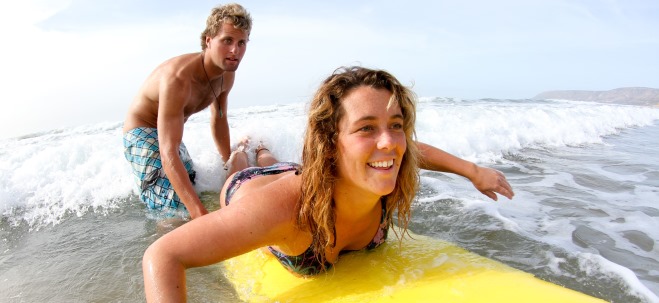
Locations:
68 63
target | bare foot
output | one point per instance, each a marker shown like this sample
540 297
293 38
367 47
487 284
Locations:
238 159
259 148
263 155
242 146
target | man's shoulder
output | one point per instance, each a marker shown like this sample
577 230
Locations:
176 70
176 65
183 58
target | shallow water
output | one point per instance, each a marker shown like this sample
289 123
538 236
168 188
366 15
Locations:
94 258
585 217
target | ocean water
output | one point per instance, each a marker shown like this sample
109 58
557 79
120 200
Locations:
585 214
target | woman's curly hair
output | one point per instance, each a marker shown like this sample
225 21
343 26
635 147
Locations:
316 207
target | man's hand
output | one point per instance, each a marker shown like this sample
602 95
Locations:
197 210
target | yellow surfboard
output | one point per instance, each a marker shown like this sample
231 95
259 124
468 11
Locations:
422 269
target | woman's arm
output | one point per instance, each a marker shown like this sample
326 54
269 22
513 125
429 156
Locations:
488 181
204 241
255 220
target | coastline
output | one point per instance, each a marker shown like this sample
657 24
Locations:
639 96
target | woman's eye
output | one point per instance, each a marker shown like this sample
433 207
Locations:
366 128
397 126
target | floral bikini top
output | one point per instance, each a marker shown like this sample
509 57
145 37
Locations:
307 264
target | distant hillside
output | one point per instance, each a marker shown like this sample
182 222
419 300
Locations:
625 95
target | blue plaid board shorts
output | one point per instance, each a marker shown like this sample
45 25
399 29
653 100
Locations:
142 150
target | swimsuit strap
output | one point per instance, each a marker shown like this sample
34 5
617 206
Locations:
254 172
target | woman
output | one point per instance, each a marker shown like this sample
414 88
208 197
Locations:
360 166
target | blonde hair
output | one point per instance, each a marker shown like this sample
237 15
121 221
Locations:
231 13
319 155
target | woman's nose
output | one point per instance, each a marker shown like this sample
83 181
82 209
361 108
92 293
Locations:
386 140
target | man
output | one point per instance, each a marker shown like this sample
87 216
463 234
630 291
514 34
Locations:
176 89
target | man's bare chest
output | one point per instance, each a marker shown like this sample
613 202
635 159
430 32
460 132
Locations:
201 99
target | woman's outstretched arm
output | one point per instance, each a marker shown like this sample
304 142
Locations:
487 180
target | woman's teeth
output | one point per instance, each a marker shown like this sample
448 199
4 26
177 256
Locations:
382 164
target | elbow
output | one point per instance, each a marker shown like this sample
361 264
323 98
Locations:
151 263
168 157
160 255
164 274
158 262
162 282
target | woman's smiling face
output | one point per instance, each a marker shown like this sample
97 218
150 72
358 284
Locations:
371 141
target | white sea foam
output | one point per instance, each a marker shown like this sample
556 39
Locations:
482 130
74 169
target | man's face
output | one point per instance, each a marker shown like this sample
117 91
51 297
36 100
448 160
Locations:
228 47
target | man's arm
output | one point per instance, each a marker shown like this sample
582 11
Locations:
171 118
220 122
488 181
